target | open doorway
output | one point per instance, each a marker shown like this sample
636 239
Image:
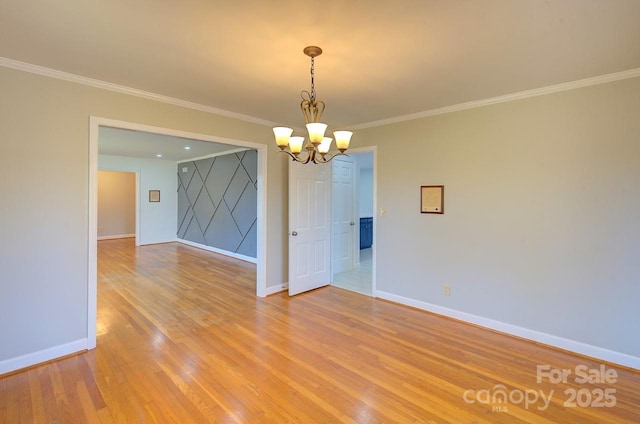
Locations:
95 125
355 209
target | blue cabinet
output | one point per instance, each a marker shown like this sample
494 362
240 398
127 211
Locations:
366 232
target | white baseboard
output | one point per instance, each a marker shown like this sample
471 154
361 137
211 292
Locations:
537 336
220 251
120 236
277 289
24 361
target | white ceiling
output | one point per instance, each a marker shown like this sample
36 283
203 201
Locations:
382 58
120 142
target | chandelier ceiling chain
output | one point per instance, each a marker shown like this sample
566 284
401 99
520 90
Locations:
318 145
313 86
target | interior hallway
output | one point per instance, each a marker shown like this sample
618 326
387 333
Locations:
359 279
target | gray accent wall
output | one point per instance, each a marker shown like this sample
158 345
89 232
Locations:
217 202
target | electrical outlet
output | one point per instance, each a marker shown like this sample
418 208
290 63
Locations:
446 290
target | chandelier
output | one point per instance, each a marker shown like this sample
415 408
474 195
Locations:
318 145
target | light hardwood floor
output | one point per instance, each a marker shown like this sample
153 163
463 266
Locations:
183 339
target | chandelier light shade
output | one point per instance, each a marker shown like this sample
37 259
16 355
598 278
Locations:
316 132
282 136
318 145
325 146
295 144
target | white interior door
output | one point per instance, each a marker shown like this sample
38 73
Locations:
309 227
344 216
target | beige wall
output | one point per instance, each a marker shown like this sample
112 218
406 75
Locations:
44 139
156 220
541 228
116 203
540 231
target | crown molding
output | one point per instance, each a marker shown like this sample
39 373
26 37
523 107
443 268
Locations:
52 73
65 76
603 79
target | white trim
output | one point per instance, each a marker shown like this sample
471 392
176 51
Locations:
603 79
537 336
92 235
115 123
277 289
52 73
219 251
24 361
213 155
79 79
92 280
138 210
119 236
261 223
374 240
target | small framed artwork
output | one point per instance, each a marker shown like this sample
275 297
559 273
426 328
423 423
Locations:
154 195
432 199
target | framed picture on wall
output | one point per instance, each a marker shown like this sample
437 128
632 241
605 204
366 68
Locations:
154 195
432 199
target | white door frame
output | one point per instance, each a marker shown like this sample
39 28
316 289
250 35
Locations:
374 150
92 231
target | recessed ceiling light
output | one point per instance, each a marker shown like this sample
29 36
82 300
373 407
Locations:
187 147
158 155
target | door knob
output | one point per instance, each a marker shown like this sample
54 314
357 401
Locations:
352 223
294 233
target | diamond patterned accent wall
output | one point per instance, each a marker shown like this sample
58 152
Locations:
217 202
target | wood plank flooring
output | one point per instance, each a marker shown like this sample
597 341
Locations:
183 339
